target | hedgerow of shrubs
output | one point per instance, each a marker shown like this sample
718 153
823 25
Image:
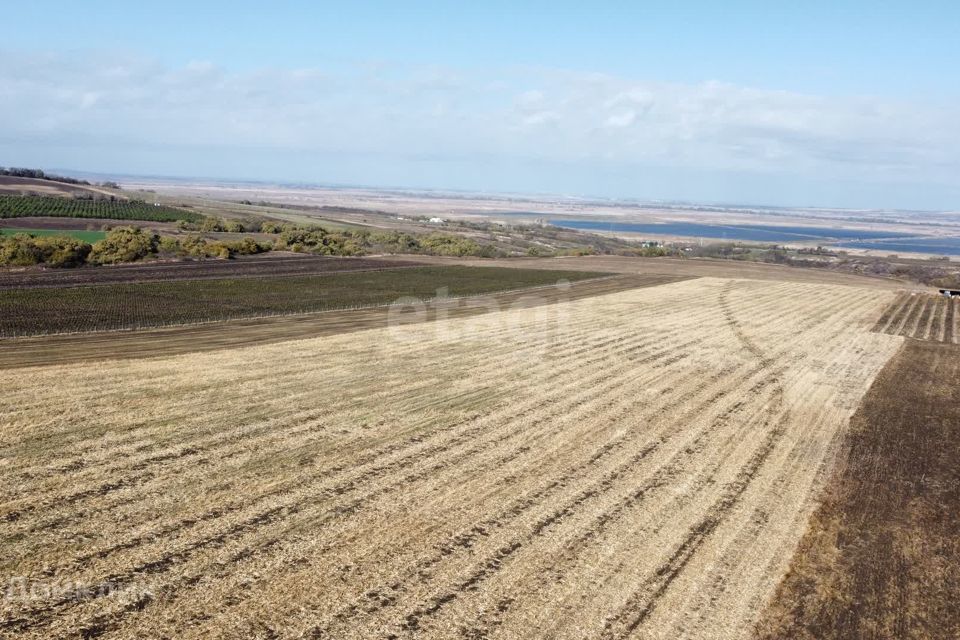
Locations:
23 250
436 244
131 244
122 244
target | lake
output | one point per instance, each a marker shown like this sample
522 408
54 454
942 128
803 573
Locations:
939 246
756 233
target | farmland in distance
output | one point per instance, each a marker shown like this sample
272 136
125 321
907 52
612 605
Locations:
118 209
47 310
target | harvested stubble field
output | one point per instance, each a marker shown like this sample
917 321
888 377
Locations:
639 464
881 557
922 316
39 310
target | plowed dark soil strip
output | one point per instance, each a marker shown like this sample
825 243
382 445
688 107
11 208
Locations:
920 316
881 557
71 348
891 313
936 326
902 317
254 266
948 335
914 326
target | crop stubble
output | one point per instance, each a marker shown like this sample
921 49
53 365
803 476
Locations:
639 464
881 555
922 316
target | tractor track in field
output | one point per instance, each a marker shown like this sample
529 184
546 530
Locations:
387 596
269 517
642 602
193 450
451 487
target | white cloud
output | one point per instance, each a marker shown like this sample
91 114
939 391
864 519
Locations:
537 118
621 119
517 114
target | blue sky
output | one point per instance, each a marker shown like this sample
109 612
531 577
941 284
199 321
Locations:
818 103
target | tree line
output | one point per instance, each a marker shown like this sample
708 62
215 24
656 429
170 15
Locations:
132 244
40 174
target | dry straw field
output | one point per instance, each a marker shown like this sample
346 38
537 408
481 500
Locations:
638 464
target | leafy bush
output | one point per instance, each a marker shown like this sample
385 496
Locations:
168 244
56 251
440 244
209 224
19 250
395 242
320 241
197 247
63 251
246 247
270 227
124 244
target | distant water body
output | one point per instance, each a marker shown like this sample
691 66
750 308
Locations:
937 246
756 233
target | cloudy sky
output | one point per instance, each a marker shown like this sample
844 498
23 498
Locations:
737 102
